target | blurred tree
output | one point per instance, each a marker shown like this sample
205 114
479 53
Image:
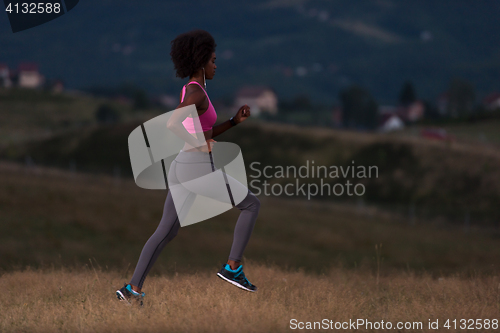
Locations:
430 111
462 97
302 102
138 95
141 100
359 107
107 114
407 94
299 103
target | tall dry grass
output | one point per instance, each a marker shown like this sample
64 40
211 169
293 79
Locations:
84 300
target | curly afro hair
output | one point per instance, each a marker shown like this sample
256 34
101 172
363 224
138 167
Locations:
191 51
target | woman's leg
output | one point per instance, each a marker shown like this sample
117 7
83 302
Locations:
166 231
249 208
194 165
232 271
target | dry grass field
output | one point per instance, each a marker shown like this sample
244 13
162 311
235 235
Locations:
83 301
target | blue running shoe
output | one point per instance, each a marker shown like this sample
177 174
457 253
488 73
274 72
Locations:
127 294
236 277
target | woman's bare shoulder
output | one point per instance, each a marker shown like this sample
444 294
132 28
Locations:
196 95
194 89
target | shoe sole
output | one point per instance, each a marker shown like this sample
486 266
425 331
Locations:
122 298
234 283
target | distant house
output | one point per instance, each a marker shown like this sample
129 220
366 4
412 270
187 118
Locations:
5 80
407 114
492 101
414 111
28 76
259 99
387 109
390 122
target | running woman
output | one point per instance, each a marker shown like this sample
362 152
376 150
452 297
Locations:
193 54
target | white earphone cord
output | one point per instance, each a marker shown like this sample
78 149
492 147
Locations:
204 80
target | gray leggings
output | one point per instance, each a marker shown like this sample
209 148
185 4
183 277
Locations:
189 164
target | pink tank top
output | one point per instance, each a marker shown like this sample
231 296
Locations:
207 119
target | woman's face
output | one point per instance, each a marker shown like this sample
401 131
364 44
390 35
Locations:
210 68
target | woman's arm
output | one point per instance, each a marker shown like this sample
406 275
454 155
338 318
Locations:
242 114
182 111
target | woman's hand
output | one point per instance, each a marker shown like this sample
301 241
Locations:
242 114
210 143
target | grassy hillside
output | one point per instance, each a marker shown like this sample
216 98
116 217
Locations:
482 133
417 177
29 114
52 217
454 180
